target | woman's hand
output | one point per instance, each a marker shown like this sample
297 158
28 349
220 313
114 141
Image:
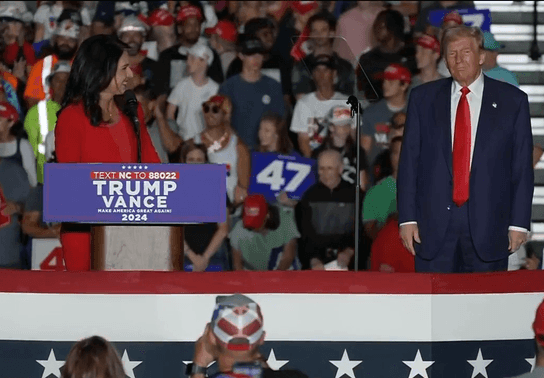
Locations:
200 263
19 69
11 208
240 194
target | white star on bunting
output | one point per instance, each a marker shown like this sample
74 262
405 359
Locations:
532 362
418 366
129 365
273 363
51 365
345 366
479 365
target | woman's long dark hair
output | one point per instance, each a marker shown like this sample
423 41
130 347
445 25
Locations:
285 146
94 67
93 357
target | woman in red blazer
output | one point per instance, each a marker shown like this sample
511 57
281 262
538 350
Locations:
91 128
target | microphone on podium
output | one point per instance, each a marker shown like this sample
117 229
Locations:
131 110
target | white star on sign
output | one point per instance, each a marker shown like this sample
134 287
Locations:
145 166
532 362
418 366
345 366
479 365
273 363
129 365
140 167
123 167
51 365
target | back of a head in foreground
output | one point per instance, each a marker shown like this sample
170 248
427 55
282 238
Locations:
93 357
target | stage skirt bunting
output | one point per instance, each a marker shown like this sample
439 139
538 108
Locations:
327 324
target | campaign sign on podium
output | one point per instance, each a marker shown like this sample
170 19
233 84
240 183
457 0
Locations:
135 193
272 173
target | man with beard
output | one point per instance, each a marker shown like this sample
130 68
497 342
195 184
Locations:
133 32
173 61
64 47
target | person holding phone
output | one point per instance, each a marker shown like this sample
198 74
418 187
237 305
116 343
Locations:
232 339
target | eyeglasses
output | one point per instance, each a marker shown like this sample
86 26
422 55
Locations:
214 109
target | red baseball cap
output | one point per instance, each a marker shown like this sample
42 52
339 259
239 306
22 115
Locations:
160 17
453 16
225 30
538 325
189 11
429 42
255 211
8 111
303 7
397 71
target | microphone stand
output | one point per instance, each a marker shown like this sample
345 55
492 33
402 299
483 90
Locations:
139 144
356 111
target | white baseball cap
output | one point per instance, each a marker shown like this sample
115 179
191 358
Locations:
202 51
67 28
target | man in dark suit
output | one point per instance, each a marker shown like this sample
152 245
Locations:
465 181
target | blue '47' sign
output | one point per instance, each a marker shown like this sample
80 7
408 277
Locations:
272 173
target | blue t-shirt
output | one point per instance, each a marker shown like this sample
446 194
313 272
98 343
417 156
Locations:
250 101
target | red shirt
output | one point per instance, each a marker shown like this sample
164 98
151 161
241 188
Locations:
11 52
388 249
77 141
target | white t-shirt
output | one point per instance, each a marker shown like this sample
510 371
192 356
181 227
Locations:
29 159
228 156
309 116
188 97
47 15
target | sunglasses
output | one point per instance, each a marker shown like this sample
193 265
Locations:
207 108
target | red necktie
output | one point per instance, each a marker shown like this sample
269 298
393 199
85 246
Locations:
461 150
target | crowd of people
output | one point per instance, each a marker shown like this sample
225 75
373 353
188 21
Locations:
219 81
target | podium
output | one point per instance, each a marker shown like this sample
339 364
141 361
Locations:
137 247
135 212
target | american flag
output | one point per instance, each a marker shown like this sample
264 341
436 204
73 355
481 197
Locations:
326 324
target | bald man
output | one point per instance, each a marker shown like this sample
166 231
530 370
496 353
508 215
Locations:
328 216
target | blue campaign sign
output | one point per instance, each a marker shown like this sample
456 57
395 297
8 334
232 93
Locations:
134 193
471 17
272 173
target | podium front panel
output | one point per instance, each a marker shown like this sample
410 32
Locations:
137 247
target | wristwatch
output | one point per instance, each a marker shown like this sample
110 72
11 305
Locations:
193 369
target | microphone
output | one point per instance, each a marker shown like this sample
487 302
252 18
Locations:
354 103
131 110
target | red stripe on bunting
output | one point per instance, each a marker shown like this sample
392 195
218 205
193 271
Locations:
145 282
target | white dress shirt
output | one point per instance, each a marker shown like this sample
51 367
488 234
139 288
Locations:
474 98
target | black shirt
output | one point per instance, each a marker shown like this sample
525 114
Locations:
327 221
375 62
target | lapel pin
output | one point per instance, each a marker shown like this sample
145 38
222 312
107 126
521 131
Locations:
494 104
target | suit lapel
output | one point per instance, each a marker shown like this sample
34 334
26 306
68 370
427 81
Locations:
486 122
442 117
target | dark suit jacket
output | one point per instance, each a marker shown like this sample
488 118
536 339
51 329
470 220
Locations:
501 176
